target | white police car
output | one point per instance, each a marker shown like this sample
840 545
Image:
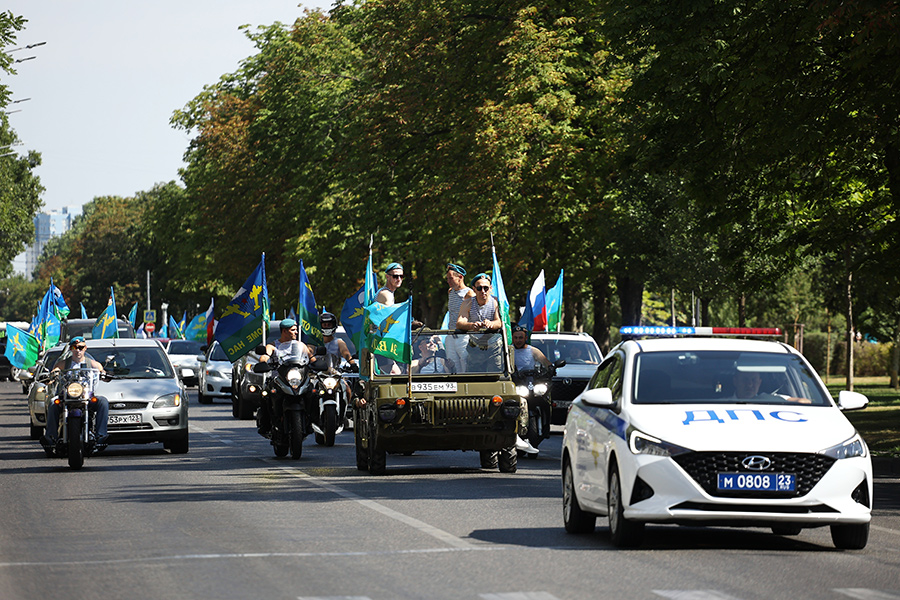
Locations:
713 431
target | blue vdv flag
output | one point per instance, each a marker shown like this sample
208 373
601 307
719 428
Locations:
173 330
132 315
239 329
83 312
106 326
352 312
310 329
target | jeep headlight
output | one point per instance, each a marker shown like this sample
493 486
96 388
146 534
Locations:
641 443
168 401
294 377
522 390
540 389
853 447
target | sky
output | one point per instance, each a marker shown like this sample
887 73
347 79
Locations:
104 86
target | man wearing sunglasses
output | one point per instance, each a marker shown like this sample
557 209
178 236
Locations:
393 279
478 313
78 358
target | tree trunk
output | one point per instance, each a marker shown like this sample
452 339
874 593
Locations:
895 360
601 296
631 297
704 312
742 311
851 337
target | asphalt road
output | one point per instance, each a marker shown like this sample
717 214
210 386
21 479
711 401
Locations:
229 520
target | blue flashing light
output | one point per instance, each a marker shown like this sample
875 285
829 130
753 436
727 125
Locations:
656 330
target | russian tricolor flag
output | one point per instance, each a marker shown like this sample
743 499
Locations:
535 317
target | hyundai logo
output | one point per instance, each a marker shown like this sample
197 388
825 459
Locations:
756 463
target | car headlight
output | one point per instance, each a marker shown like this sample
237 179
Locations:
855 446
540 389
641 443
522 390
168 401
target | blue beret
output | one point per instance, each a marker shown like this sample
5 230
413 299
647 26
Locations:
456 268
287 323
392 266
75 340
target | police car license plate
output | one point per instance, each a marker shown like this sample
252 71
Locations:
124 419
434 386
757 482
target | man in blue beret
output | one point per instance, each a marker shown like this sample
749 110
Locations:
393 278
455 347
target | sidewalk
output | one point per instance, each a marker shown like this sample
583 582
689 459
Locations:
885 466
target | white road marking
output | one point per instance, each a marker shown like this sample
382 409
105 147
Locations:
867 594
884 529
519 596
694 595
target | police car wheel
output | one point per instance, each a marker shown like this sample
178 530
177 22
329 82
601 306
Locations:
624 533
575 519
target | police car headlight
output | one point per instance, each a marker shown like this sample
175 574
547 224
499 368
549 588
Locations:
540 389
168 401
522 390
330 383
641 443
853 447
294 377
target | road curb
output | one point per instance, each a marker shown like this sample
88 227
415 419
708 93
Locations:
885 466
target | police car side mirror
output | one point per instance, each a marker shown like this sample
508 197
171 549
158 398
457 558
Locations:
600 397
852 400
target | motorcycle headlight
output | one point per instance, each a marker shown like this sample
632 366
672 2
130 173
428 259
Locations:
540 389
330 383
74 390
855 446
294 377
641 443
168 401
522 390
248 367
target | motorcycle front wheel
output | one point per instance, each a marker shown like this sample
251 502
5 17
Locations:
76 444
296 434
534 428
329 424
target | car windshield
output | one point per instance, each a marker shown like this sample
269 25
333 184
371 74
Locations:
482 352
725 378
134 363
218 354
185 347
574 351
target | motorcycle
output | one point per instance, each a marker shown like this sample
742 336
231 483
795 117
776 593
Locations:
76 428
330 392
534 386
287 391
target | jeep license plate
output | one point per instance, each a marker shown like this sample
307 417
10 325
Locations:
434 386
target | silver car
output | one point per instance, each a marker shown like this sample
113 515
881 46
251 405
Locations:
184 355
215 375
148 401
582 355
38 392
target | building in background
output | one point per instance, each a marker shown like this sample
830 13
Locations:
47 225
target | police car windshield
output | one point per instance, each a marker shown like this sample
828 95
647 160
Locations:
725 378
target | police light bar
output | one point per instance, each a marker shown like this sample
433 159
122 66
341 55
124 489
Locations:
663 330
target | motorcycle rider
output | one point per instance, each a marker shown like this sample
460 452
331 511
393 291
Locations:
526 356
334 345
77 359
289 333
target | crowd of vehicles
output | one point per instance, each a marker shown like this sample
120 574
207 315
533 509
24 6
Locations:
671 427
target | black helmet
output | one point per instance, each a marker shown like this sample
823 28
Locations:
328 322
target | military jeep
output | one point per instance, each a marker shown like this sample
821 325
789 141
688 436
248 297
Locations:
472 408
